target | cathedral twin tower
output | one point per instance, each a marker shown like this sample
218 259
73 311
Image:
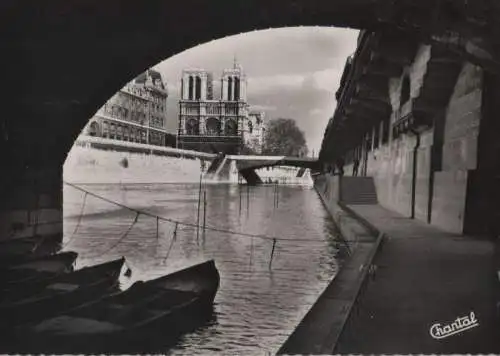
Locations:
197 84
207 123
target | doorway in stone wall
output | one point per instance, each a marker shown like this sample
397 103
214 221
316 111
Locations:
483 191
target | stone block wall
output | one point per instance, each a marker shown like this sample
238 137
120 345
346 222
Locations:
441 183
33 204
391 166
460 143
448 201
422 190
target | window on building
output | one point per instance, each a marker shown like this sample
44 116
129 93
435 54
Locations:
191 84
236 88
94 129
119 132
230 89
198 88
250 127
105 129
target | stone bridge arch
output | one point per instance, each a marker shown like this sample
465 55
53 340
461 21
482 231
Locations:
63 59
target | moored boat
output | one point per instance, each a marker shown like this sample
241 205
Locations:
18 250
161 308
59 294
38 268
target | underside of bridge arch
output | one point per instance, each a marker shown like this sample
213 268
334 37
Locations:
63 59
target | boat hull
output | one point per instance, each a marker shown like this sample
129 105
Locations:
146 322
156 336
62 294
31 270
20 250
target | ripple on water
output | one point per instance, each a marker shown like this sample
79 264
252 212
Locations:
256 307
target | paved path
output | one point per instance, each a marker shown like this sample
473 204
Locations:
424 276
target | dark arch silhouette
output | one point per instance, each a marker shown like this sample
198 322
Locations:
76 54
64 37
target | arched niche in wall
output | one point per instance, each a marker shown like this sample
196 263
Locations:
229 89
213 126
192 127
191 87
198 88
231 128
236 88
94 129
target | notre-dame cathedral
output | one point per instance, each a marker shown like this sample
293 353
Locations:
212 124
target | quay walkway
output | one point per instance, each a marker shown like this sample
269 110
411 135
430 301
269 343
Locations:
418 276
424 276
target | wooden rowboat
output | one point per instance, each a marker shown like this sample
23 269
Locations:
159 309
21 249
37 268
63 293
38 299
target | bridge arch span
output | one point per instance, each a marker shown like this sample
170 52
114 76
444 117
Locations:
64 59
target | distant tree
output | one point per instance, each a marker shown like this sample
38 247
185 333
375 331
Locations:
283 137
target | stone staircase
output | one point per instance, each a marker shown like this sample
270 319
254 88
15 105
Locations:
358 190
216 164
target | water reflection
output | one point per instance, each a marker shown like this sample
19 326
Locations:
256 307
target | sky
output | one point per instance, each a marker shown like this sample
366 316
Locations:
291 72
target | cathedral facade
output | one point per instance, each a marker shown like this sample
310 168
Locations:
211 124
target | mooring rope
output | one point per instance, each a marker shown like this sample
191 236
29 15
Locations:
120 239
196 226
174 237
78 222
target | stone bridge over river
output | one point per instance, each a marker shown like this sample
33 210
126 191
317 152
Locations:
63 59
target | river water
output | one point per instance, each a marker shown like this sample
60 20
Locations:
258 305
